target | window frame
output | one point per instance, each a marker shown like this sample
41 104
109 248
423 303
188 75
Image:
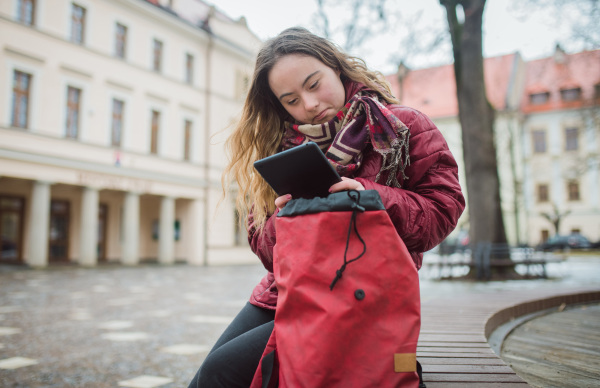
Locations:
78 36
536 142
542 192
573 191
188 128
114 117
121 31
571 142
533 98
154 131
23 12
19 93
570 94
73 107
157 55
189 68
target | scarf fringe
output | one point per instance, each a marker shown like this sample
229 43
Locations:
393 162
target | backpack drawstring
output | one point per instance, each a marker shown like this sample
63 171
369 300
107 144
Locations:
355 209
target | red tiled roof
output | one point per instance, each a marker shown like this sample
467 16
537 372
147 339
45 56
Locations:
433 90
581 70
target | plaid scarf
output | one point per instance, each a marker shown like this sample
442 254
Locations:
343 139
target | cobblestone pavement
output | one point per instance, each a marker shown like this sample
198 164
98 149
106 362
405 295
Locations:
150 325
113 326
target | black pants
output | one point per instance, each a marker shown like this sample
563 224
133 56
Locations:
233 360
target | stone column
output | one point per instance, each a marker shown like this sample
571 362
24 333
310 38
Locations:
166 236
131 229
88 244
39 225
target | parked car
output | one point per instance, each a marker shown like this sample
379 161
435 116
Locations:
559 242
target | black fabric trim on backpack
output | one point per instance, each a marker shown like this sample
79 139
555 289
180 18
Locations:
336 202
420 373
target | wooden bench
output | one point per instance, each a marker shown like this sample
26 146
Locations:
453 347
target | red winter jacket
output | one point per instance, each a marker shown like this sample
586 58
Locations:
424 211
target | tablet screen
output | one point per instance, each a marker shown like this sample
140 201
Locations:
302 171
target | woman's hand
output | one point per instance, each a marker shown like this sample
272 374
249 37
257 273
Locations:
281 201
346 184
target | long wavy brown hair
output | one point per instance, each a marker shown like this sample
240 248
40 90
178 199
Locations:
260 129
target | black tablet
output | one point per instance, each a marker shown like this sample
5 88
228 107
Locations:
302 171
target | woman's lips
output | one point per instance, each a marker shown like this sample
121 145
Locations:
320 116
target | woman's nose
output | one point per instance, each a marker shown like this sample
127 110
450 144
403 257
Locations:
310 103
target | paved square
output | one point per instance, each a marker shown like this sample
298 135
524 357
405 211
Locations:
186 349
159 313
210 319
126 336
9 330
9 309
145 381
80 315
121 302
116 325
16 362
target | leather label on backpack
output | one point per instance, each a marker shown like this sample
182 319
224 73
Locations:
405 362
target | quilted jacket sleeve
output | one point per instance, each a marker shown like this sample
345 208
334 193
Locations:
262 241
427 207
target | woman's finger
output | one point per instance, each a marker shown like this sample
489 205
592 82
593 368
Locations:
281 201
346 184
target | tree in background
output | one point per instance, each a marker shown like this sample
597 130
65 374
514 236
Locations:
476 117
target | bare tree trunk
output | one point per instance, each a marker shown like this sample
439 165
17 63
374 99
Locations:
477 120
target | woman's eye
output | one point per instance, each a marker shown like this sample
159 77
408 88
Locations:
292 102
314 85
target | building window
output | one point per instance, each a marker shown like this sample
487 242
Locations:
187 140
189 69
77 24
539 141
154 132
573 190
25 11
539 98
120 41
117 122
545 234
20 100
157 55
73 105
572 94
571 139
542 192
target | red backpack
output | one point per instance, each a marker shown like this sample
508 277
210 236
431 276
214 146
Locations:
348 310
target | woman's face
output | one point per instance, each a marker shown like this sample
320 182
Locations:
310 91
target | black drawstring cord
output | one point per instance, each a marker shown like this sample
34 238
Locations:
355 209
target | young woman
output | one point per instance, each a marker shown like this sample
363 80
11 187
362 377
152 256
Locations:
306 89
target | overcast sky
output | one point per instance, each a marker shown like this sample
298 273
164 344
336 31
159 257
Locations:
506 29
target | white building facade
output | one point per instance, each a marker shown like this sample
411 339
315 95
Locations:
112 118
